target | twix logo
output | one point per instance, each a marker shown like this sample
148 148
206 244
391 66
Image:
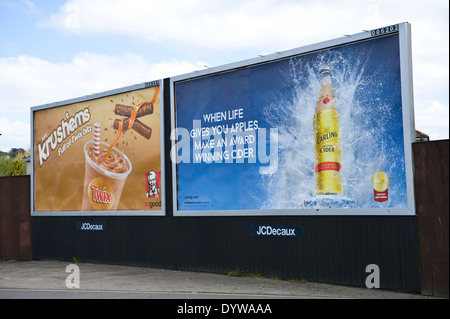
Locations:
60 133
101 196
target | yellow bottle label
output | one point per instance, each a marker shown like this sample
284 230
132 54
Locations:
328 152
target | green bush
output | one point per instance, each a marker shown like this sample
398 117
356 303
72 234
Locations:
5 165
18 168
12 167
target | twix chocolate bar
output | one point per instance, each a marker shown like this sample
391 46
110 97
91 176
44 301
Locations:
125 110
138 127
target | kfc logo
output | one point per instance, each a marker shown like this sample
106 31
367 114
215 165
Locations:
153 184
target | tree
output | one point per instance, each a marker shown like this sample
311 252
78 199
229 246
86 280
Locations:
14 152
5 165
18 168
12 163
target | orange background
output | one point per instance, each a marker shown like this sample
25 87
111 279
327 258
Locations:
59 182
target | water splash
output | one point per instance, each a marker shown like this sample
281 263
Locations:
366 145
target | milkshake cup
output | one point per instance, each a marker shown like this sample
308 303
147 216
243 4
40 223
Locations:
103 180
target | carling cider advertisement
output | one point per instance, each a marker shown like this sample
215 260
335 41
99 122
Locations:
313 133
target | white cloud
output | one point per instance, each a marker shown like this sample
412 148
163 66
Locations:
29 81
218 25
30 5
430 77
263 26
14 135
431 118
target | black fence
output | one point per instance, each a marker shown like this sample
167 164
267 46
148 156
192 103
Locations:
334 249
15 219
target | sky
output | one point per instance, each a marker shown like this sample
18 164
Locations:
55 50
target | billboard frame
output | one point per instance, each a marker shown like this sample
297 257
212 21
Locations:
135 87
407 100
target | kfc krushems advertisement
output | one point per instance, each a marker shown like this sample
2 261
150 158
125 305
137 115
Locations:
323 132
99 155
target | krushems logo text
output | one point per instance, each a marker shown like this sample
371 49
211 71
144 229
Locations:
62 132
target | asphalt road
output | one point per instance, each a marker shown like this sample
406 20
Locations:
90 294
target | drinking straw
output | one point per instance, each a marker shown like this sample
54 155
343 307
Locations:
97 138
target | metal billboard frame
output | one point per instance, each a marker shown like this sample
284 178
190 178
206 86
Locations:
135 87
404 31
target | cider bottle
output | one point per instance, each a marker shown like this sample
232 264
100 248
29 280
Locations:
327 139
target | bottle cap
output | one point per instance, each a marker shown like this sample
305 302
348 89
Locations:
325 71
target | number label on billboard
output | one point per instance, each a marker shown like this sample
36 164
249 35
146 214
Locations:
385 30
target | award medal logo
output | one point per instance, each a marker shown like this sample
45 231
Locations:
380 183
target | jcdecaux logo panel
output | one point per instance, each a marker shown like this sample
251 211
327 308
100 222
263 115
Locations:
276 230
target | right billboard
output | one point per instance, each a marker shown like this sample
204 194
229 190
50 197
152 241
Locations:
325 129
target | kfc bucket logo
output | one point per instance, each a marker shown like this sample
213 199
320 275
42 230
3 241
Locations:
153 181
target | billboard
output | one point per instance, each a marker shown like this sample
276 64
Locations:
100 154
320 130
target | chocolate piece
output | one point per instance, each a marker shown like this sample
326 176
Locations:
138 126
125 110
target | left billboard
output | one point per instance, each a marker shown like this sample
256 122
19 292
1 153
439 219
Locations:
100 154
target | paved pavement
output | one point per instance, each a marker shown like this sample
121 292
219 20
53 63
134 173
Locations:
46 279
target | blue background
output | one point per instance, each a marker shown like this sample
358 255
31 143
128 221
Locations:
282 95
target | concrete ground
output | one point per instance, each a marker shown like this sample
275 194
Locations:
49 279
